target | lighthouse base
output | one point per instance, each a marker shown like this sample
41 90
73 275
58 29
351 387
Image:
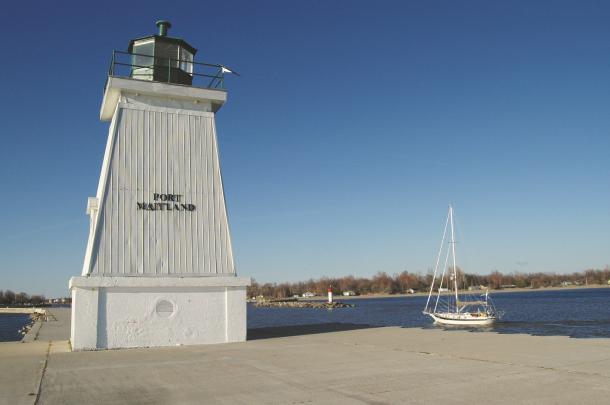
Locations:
122 312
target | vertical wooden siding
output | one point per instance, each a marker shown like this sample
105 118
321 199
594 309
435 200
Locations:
157 150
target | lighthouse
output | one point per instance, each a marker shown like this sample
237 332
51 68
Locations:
159 268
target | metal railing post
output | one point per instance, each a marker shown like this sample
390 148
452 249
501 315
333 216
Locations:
169 70
111 69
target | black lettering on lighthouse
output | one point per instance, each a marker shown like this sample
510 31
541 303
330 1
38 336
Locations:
166 202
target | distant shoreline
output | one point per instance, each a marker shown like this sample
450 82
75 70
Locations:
20 310
491 292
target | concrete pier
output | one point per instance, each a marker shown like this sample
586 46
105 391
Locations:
321 364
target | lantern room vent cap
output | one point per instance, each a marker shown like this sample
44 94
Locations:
163 26
162 36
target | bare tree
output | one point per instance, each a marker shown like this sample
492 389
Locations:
9 297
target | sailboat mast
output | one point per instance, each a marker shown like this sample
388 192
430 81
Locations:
438 258
453 257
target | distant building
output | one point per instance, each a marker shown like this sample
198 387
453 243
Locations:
349 293
58 301
308 294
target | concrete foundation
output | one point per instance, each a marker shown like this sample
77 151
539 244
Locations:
123 312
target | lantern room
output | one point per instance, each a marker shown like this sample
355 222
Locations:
161 58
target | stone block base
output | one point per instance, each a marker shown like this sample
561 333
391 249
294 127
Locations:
121 312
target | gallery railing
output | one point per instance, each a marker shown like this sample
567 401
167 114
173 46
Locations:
167 70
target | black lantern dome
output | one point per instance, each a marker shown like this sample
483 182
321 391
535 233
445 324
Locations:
161 58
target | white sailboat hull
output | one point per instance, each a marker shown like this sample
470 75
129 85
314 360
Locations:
462 319
457 310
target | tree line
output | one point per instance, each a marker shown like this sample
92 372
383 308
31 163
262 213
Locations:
402 283
10 298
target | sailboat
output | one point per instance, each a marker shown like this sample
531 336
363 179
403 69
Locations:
446 304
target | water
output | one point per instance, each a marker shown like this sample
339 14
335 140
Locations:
10 325
579 313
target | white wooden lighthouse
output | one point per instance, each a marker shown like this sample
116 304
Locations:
159 268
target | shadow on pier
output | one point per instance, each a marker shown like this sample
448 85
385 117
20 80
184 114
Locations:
297 330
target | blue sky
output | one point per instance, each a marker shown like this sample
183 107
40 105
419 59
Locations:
352 127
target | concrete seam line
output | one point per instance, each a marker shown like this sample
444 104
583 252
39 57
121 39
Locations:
507 363
44 369
38 330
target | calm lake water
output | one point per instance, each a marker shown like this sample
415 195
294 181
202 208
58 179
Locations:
582 313
10 325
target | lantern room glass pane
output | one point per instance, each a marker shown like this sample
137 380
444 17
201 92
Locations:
144 52
142 64
186 61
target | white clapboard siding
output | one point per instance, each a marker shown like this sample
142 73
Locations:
165 151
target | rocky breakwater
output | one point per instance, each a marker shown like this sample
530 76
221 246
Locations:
294 303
